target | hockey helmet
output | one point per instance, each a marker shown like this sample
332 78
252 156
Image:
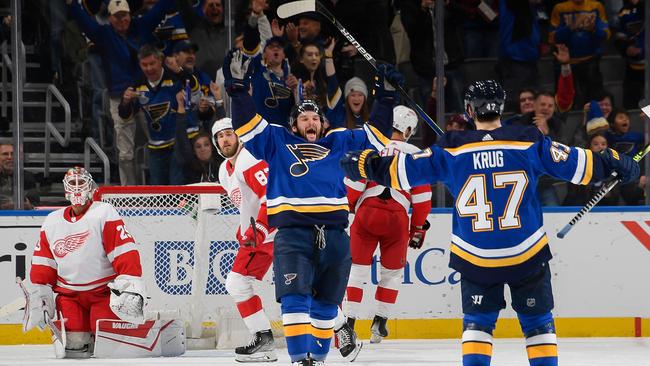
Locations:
218 126
403 118
79 186
305 106
485 98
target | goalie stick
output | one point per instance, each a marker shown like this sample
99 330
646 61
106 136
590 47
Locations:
58 335
608 186
12 307
297 7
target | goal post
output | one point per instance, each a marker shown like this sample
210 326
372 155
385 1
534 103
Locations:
186 236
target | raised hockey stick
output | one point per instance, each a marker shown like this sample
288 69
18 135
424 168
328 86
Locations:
58 335
303 6
608 186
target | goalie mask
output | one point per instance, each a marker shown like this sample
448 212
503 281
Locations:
79 186
221 125
404 118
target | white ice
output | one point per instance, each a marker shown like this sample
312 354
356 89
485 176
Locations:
507 352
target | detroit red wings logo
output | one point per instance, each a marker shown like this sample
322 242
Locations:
70 243
235 197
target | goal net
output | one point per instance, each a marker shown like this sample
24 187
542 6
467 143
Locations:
187 244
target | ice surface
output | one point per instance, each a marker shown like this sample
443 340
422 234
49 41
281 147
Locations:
507 352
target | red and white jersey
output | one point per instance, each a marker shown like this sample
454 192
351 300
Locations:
419 197
245 183
81 253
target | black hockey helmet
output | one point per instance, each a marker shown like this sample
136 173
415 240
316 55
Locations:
305 106
486 98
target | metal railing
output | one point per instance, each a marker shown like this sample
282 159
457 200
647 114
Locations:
50 128
91 144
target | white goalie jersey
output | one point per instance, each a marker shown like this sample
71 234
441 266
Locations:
245 183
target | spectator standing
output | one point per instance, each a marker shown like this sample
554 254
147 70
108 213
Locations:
582 26
118 43
630 40
480 28
518 46
155 95
417 18
206 28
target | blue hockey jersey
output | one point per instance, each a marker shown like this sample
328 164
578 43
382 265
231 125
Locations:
497 232
305 184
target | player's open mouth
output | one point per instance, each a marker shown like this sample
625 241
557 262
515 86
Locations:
310 132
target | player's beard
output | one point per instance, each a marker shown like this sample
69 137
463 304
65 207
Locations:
231 150
311 134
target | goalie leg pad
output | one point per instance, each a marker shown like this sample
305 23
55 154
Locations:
154 338
78 345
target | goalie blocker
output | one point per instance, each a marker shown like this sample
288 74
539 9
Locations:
154 338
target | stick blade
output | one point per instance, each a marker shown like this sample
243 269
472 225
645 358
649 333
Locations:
296 7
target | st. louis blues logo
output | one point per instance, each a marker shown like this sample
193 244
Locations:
305 153
69 244
289 277
156 112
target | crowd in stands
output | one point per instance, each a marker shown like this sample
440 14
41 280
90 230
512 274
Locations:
154 57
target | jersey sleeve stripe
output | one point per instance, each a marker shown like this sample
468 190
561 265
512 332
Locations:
394 175
357 186
43 261
376 138
500 262
331 103
403 177
421 197
118 251
251 128
589 167
580 169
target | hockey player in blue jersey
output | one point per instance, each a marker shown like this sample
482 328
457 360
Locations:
306 201
497 235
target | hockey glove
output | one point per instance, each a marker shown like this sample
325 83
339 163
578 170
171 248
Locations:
237 71
38 304
128 298
417 235
627 169
254 237
386 81
356 164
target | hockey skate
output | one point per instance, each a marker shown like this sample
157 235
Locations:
304 362
378 329
260 349
347 342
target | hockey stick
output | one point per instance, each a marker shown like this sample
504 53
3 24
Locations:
58 335
12 307
303 6
254 231
611 183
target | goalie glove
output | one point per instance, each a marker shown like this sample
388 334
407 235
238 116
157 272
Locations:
237 71
417 235
128 298
39 303
254 237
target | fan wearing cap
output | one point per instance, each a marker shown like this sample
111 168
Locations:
117 43
306 201
245 179
84 251
204 104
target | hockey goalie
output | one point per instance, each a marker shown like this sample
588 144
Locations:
86 256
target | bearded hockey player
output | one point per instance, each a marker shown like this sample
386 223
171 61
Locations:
88 258
245 178
382 218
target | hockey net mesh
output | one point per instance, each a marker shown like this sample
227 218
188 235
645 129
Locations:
187 243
